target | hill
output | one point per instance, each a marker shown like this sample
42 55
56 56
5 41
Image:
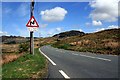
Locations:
13 39
103 42
69 34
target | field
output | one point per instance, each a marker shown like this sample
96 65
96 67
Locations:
11 52
10 48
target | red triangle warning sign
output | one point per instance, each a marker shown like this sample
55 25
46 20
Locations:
32 22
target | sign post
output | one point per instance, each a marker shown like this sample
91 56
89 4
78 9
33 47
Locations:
32 26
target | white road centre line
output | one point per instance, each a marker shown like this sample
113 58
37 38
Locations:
112 55
60 51
96 57
74 54
64 74
47 57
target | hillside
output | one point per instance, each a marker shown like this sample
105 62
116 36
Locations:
69 34
13 39
103 42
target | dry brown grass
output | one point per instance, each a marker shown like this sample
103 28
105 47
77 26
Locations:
110 43
36 43
83 43
8 53
6 58
9 48
103 42
45 41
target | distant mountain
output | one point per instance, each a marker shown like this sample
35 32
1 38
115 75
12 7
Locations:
69 34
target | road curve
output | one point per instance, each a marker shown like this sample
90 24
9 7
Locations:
71 64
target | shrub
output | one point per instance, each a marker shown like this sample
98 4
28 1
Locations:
108 48
10 42
64 46
23 47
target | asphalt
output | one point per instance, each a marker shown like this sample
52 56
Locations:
80 64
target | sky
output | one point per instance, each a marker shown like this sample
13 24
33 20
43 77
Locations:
56 17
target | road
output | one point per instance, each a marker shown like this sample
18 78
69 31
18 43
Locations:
70 64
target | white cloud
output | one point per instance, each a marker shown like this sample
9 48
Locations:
43 25
50 33
53 31
112 27
96 23
109 27
3 33
80 30
87 24
58 29
99 29
55 14
104 10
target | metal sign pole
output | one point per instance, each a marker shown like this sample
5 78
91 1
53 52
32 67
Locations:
31 32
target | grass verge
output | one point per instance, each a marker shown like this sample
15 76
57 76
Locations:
27 66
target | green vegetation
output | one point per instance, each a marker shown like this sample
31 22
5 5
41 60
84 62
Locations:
23 47
27 66
11 42
62 46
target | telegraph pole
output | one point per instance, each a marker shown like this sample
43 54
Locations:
31 32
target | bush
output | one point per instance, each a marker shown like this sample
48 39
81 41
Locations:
108 48
23 47
64 46
11 42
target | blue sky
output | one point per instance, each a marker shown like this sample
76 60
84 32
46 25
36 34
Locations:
56 17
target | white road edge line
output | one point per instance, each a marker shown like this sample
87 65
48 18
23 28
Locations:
64 74
96 57
47 57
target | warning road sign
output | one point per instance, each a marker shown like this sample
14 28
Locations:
32 22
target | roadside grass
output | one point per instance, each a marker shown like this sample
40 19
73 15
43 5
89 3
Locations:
64 46
27 66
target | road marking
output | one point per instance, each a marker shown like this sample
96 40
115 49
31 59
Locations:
96 57
60 51
64 74
57 50
47 57
112 55
74 54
